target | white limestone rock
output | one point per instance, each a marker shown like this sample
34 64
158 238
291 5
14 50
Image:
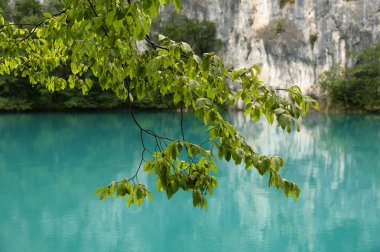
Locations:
293 44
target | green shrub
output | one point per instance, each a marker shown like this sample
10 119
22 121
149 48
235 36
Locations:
284 2
201 35
27 11
279 26
16 94
356 87
313 38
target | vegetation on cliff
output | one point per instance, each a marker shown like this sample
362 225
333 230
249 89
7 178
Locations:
356 87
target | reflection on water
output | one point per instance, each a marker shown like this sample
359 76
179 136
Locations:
336 162
50 164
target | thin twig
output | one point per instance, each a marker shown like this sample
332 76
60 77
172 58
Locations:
96 14
183 134
153 44
206 141
35 27
280 89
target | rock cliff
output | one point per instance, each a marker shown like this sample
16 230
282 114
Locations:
292 40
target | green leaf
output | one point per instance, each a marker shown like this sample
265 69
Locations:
148 167
74 67
266 164
186 47
99 190
153 9
284 120
278 162
179 148
161 37
159 185
130 200
118 26
88 82
177 5
205 65
121 190
47 15
149 195
201 102
257 68
177 52
110 17
286 189
139 193
227 155
104 194
194 150
296 192
235 75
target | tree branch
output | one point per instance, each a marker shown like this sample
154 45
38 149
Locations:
182 132
34 28
96 14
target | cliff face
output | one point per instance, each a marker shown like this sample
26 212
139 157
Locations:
294 43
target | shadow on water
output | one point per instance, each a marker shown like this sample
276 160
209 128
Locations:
50 164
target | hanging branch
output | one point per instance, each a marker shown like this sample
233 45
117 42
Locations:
31 32
142 158
96 14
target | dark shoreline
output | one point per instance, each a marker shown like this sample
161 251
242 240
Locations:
123 110
99 110
348 111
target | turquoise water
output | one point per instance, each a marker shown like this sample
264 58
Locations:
50 165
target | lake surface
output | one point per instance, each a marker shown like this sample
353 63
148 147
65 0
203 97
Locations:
50 165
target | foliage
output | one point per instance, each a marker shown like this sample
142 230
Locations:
356 87
4 5
279 26
27 11
284 2
101 39
201 35
313 38
17 94
14 96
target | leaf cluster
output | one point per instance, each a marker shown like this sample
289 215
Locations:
355 87
285 2
135 194
108 42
